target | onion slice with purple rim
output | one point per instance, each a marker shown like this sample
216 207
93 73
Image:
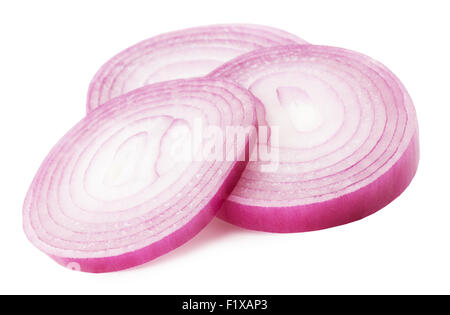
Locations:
112 195
347 141
182 54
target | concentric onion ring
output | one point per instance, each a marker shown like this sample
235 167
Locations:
110 195
348 138
181 54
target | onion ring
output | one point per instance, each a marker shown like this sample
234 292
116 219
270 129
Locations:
347 143
111 195
187 53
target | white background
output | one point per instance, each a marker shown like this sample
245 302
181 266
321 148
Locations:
49 51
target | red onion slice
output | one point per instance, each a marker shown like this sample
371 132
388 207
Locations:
348 138
111 194
181 54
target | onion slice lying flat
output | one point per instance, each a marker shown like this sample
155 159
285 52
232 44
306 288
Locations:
182 54
111 194
348 138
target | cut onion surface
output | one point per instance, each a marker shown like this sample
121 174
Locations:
346 142
182 54
112 194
